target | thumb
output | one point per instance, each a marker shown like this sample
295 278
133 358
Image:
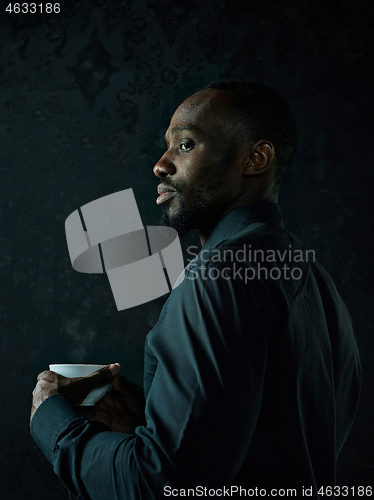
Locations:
100 377
116 373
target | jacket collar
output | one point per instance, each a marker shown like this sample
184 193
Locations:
243 216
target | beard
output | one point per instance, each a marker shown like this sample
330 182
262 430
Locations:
197 213
199 206
185 219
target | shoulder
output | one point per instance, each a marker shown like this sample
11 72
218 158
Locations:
257 242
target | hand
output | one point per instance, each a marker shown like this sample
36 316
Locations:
122 408
75 389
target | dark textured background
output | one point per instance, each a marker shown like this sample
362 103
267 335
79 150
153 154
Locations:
84 101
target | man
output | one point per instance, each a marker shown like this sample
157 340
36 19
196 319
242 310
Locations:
252 373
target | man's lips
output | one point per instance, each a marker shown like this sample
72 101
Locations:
165 193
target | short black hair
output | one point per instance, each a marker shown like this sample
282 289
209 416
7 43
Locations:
261 113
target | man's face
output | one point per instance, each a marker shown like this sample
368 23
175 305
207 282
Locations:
199 179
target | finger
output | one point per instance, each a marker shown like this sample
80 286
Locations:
116 372
46 375
100 377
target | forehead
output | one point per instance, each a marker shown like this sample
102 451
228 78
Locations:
205 109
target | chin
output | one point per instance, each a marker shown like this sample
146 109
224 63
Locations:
182 221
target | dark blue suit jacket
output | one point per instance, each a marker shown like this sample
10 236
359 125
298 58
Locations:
251 378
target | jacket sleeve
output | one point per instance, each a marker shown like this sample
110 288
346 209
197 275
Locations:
210 349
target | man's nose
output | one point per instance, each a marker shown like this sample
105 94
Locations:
165 166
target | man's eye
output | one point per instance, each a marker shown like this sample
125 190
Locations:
186 145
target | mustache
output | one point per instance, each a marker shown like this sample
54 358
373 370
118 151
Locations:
169 183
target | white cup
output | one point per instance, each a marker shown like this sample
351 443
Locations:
80 370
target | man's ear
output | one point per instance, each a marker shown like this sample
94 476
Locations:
259 159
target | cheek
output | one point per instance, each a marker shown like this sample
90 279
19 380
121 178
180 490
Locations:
188 175
198 168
